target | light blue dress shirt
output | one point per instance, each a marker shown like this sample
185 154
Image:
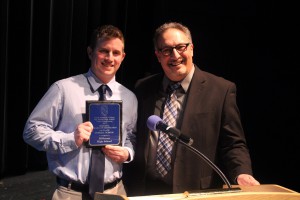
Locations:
52 124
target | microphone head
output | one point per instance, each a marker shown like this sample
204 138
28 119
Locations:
152 122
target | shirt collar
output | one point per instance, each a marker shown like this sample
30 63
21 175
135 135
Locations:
184 83
95 82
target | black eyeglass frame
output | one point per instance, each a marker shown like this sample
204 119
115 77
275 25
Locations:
167 51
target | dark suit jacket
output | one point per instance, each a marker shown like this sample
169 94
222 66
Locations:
211 118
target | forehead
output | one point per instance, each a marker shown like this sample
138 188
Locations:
114 43
173 37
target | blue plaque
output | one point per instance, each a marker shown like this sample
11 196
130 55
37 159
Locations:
106 117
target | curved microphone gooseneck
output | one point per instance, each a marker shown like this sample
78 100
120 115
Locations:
155 123
208 161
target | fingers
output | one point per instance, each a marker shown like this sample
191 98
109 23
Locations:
247 180
83 132
253 181
116 153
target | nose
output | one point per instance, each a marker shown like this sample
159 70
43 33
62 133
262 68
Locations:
109 56
174 53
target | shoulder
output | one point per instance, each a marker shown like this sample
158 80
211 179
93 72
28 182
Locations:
125 92
72 79
210 79
149 82
149 78
75 80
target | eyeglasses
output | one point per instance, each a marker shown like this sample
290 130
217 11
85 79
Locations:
180 48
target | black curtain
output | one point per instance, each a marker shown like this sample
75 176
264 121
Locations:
248 42
43 41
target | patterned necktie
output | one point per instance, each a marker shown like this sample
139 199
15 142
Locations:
96 182
165 144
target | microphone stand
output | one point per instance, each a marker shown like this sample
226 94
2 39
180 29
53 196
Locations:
206 159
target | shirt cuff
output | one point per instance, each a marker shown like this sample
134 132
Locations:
130 157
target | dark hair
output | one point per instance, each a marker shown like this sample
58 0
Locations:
106 32
161 29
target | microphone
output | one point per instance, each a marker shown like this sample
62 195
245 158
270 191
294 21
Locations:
155 123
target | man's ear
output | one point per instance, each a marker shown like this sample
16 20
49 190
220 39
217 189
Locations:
157 55
89 52
124 54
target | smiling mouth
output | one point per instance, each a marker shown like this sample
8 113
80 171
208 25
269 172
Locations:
107 65
174 64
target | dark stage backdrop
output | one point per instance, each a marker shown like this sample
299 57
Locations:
248 42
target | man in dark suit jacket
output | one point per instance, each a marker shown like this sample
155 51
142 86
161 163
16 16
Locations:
208 113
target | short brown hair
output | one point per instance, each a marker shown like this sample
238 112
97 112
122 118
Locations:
106 32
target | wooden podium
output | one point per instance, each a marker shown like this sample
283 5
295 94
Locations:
260 192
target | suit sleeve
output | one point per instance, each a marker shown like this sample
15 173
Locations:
234 152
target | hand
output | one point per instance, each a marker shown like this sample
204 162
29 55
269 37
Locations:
247 180
116 153
83 132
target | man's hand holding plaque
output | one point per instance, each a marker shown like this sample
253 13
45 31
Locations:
83 132
116 153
